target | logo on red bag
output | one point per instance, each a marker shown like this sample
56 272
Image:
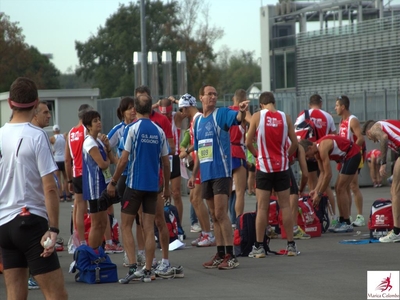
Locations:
311 229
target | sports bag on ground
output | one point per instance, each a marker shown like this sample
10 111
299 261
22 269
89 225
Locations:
173 224
93 266
307 218
245 235
381 217
273 218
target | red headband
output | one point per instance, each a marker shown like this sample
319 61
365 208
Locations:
165 109
23 105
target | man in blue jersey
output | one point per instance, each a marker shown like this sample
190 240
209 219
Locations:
145 145
212 144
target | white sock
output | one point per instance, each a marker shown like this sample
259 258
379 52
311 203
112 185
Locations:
109 242
141 252
165 261
83 243
295 228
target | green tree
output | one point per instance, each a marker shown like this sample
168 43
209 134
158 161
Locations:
41 70
18 59
70 80
236 70
107 57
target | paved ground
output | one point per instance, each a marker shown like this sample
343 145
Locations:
324 270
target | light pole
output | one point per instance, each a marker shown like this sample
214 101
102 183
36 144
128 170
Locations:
143 41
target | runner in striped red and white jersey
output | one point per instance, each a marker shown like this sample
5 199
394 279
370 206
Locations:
392 129
374 162
387 133
350 128
272 129
336 148
272 133
373 153
324 124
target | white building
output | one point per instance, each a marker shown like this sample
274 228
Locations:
63 105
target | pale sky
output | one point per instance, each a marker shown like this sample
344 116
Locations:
52 26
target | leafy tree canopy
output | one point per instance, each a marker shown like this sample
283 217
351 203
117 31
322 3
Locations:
19 59
238 70
106 58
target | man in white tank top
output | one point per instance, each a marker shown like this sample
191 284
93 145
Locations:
58 143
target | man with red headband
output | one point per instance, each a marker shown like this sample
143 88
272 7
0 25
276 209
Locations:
29 205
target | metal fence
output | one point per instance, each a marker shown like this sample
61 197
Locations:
365 105
356 57
108 112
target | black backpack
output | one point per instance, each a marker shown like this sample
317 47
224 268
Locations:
245 235
173 224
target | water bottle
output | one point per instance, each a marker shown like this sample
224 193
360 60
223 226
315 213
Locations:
302 216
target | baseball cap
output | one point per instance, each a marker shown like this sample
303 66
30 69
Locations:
56 128
186 101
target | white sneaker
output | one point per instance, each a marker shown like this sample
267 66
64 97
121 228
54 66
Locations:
195 228
359 221
207 241
391 237
343 228
334 224
196 241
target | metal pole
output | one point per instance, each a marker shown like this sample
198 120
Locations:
143 41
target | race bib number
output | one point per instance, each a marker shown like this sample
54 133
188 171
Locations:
107 175
205 150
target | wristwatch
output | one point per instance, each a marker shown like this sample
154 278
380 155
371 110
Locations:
187 150
113 182
320 194
54 229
